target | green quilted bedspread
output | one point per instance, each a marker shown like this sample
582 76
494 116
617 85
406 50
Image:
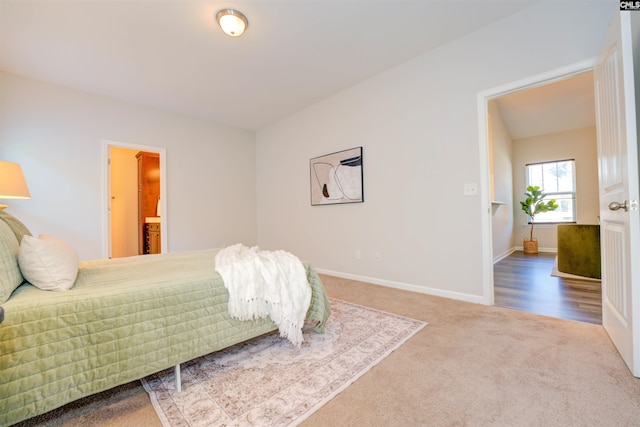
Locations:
123 320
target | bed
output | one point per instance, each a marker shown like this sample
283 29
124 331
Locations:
122 320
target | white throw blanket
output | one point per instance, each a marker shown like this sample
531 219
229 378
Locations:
266 283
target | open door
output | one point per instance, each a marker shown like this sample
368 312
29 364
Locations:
618 171
122 192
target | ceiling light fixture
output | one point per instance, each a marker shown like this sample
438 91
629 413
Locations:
232 22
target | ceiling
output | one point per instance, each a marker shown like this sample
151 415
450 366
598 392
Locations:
559 106
172 55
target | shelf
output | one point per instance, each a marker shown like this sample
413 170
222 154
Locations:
495 205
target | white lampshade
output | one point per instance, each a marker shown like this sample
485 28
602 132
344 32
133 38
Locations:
12 183
232 22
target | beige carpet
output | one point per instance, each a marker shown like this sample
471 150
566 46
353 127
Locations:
473 365
269 382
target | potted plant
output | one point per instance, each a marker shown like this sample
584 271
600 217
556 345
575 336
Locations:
532 205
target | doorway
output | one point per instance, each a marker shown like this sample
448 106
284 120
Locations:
505 205
522 282
135 199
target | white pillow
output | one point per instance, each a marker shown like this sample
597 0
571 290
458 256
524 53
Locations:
48 263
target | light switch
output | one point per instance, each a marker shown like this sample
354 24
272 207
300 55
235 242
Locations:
470 189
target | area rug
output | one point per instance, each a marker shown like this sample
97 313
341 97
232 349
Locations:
268 382
582 279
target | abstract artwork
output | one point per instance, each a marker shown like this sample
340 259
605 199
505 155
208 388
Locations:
337 178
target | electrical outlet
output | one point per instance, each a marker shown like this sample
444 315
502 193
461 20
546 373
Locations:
358 255
378 256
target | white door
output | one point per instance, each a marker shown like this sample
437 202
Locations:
618 171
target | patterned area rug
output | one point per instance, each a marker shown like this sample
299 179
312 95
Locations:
268 382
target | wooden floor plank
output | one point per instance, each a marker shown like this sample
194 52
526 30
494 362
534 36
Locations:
524 282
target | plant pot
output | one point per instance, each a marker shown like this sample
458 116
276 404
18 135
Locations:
530 246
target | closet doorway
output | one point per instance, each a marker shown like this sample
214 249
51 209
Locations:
135 199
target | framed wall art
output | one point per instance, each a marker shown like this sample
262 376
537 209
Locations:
337 178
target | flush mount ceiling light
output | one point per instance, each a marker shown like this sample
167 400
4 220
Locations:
232 22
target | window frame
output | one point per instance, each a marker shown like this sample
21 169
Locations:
573 195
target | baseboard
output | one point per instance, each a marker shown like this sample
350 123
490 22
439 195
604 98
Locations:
406 286
547 250
503 255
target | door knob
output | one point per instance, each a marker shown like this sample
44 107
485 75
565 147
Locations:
614 206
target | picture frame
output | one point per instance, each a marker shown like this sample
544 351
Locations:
337 178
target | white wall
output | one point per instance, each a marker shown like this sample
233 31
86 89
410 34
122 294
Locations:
579 144
418 125
502 174
56 135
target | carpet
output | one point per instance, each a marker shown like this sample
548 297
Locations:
267 381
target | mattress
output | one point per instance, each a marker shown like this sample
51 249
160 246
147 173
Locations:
123 319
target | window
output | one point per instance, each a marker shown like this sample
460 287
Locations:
558 181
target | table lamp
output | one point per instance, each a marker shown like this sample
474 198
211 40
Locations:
12 183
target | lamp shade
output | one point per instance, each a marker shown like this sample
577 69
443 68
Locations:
12 183
232 22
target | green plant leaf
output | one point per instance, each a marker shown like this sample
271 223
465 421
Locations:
533 204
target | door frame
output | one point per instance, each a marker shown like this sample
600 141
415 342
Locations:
485 172
106 189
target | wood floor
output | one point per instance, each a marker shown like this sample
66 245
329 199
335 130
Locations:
524 282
